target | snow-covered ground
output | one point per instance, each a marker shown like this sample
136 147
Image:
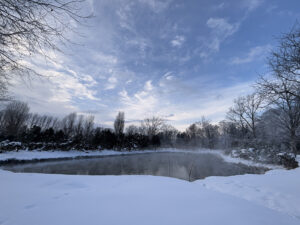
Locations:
35 199
29 155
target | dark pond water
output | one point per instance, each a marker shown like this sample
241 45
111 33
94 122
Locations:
186 166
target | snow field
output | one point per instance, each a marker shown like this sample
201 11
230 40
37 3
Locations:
69 199
47 199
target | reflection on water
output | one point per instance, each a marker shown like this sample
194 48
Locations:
186 166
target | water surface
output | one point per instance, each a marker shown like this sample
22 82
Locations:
186 166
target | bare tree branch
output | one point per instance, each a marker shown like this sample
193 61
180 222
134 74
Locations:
29 27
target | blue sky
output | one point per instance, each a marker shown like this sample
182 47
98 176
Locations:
180 60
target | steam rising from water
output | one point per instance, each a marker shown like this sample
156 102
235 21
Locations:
186 166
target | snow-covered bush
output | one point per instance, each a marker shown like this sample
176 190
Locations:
266 155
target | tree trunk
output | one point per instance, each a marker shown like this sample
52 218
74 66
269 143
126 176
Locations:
293 143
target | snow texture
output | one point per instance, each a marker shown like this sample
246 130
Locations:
35 199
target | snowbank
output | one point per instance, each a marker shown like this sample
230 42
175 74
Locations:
277 189
272 198
30 155
69 199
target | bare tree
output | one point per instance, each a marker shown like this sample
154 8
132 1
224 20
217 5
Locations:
48 122
194 134
203 133
272 130
55 123
119 123
282 86
132 129
278 92
152 125
68 124
14 117
43 121
32 120
88 125
245 111
29 27
193 130
1 121
229 133
209 133
168 134
78 127
284 61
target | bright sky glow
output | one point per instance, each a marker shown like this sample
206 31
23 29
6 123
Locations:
180 60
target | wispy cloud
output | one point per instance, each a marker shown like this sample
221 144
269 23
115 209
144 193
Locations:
157 57
255 53
214 106
252 4
157 5
148 86
57 89
141 104
178 41
221 29
155 100
111 83
219 6
168 76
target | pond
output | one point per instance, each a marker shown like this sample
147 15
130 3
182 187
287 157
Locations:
186 166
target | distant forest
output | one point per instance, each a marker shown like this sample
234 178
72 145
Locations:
268 118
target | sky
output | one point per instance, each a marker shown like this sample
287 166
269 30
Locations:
179 60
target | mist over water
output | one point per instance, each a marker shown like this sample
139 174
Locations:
186 166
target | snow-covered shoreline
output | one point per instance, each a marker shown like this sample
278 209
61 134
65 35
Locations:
272 198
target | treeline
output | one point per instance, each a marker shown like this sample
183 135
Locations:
268 118
75 131
79 131
34 131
